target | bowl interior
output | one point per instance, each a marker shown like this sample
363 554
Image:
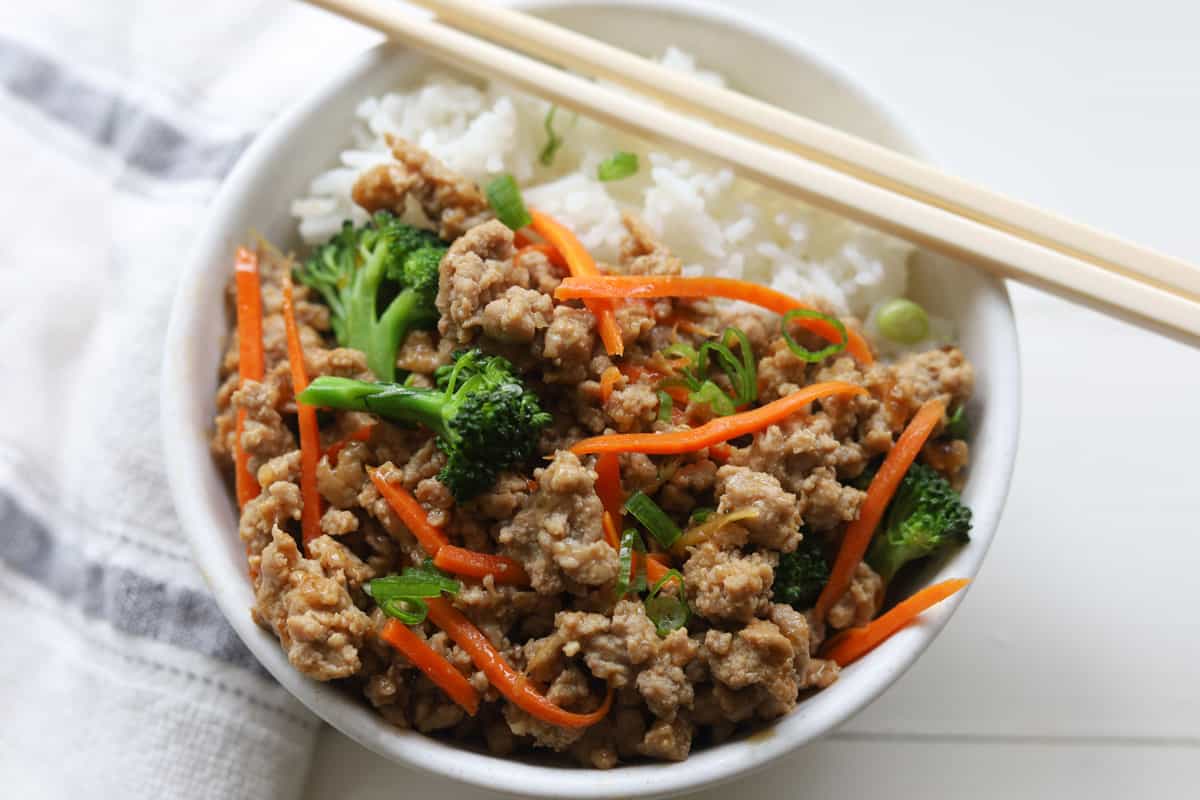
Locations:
278 168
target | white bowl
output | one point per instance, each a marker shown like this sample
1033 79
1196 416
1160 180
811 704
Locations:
306 140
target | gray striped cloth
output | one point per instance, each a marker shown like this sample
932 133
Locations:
118 675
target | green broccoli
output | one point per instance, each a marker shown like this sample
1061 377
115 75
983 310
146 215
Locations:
385 263
925 515
484 416
801 575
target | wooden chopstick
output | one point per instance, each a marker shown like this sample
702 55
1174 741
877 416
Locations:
841 151
1124 295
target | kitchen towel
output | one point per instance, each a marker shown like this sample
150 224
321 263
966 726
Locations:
118 675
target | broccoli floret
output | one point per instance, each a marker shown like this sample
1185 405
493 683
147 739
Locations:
484 416
387 264
925 515
801 575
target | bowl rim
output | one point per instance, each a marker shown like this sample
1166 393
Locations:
185 458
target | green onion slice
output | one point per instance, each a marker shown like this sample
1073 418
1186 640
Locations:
647 512
668 612
665 406
700 514
902 320
680 350
956 426
617 166
800 350
505 199
629 577
715 397
553 140
401 596
742 372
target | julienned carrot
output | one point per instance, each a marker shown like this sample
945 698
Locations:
608 382
306 415
472 564
363 434
883 487
851 645
608 484
432 663
580 264
610 531
610 287
718 430
655 568
508 681
549 251
410 513
657 564
250 360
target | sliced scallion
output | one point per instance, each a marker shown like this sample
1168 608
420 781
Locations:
656 521
553 140
802 352
505 199
617 166
700 515
665 406
629 577
401 596
668 612
956 426
715 398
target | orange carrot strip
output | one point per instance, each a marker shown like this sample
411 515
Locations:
363 434
549 251
717 430
508 681
472 564
854 643
608 484
520 240
432 663
879 494
608 382
609 287
306 415
655 568
720 453
610 532
580 263
250 360
410 513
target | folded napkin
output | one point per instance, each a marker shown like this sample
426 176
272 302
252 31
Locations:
118 675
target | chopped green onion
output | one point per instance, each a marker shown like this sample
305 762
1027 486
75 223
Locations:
401 596
716 399
802 352
956 426
505 199
617 166
682 350
742 372
647 512
629 577
668 612
665 406
902 321
699 515
553 140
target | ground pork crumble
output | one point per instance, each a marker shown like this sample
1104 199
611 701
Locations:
742 659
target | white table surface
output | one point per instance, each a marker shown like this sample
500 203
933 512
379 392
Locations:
1071 670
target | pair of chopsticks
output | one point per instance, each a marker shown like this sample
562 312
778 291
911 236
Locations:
801 158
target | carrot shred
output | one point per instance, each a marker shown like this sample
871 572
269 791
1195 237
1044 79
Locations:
611 534
432 663
717 430
473 564
608 382
655 566
608 484
508 681
521 240
580 264
883 487
250 361
410 513
306 415
548 250
591 288
854 643
720 453
363 434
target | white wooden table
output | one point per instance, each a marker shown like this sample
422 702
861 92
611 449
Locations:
1073 669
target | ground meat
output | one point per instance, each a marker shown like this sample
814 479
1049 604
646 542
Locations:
278 503
690 482
338 563
557 535
947 456
791 449
453 203
643 254
759 655
861 601
632 408
728 585
668 740
477 269
264 435
517 315
777 525
568 345
543 274
613 647
309 609
826 503
338 523
421 354
664 685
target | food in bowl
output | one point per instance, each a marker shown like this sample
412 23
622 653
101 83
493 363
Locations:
563 472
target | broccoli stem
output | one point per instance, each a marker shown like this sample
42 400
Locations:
422 406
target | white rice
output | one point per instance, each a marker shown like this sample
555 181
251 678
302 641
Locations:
717 223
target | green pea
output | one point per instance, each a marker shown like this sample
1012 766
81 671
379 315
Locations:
903 321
